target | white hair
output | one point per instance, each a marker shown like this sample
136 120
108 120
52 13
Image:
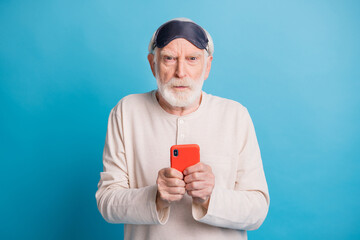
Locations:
209 49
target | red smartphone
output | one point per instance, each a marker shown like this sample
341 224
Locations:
183 156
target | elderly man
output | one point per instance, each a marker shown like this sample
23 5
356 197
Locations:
219 198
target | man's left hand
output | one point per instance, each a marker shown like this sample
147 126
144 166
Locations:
200 181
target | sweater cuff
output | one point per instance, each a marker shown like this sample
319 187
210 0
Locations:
162 216
200 213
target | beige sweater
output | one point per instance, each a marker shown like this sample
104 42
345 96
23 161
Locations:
139 136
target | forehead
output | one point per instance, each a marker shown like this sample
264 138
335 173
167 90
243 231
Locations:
181 46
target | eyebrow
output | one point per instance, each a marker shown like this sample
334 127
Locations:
196 54
165 52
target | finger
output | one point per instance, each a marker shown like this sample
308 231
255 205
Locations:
196 176
201 194
176 191
174 182
199 167
173 173
197 185
207 176
165 191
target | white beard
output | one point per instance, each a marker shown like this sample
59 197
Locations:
181 98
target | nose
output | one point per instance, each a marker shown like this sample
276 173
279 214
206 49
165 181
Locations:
180 69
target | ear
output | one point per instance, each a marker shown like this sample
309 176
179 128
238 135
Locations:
208 67
150 58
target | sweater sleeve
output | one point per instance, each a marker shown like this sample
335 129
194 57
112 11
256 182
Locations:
117 202
244 206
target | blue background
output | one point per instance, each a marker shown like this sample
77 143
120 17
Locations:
64 64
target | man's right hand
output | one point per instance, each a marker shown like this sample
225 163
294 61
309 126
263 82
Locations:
171 187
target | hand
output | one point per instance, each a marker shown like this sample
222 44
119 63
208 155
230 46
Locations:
171 187
200 182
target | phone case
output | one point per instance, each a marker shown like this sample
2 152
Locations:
183 156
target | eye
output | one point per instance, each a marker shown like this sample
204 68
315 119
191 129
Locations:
193 60
169 58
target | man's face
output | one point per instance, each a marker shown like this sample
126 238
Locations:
180 69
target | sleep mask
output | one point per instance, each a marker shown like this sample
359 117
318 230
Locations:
180 29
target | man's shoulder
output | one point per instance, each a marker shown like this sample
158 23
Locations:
138 97
134 100
225 103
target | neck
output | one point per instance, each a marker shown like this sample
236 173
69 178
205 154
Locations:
179 111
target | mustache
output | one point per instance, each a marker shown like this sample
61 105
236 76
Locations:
177 82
